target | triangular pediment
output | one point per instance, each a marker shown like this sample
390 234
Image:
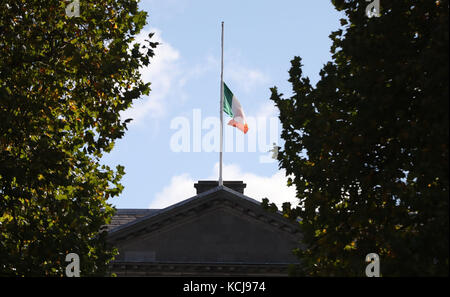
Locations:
219 225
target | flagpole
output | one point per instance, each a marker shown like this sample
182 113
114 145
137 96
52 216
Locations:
221 116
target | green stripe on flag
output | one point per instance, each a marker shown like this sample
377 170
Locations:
227 100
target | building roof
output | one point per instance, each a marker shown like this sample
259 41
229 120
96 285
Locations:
219 231
127 221
127 215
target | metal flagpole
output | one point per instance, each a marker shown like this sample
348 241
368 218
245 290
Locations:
221 116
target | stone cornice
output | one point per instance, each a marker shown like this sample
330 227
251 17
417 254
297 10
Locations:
198 269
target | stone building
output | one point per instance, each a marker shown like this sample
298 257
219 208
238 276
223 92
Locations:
218 232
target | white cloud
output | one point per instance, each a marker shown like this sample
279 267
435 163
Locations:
236 72
273 187
267 110
245 77
181 187
163 72
198 70
241 74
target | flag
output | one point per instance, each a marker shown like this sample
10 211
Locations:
233 108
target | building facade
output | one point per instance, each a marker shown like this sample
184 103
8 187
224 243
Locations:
218 232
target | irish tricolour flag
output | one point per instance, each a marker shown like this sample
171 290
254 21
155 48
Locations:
233 108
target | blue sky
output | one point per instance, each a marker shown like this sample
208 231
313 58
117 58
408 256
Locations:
261 37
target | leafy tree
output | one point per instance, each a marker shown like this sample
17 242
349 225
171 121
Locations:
367 147
63 81
272 207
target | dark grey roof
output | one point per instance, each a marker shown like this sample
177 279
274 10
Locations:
127 215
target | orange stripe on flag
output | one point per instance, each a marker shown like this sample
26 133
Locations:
240 126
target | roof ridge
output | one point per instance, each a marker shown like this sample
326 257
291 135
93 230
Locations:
122 228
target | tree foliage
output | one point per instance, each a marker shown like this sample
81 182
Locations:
367 147
63 82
